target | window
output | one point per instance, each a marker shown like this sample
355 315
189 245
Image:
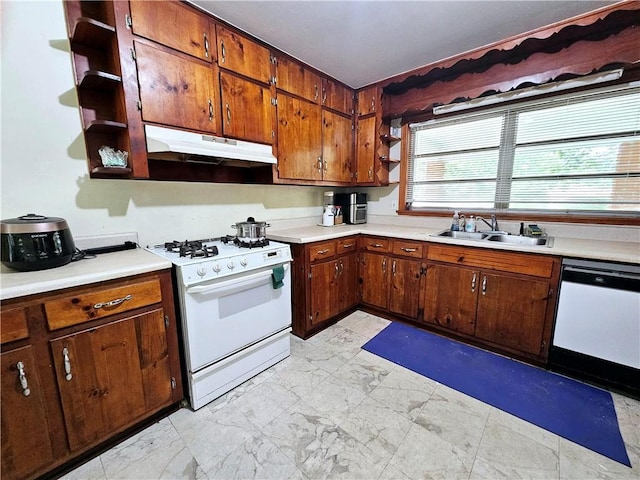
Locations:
572 154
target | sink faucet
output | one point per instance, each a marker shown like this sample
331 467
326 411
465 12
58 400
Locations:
493 224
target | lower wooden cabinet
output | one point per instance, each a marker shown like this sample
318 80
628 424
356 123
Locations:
26 437
324 283
78 378
503 299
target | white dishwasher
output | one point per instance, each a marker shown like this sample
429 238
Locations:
598 319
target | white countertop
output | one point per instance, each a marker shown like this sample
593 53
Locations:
106 266
613 251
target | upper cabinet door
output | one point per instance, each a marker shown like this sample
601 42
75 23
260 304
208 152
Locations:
294 78
174 90
299 139
241 55
367 101
247 111
174 25
337 96
337 147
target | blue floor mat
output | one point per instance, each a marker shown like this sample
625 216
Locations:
573 410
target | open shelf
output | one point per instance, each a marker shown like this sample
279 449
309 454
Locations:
111 171
385 159
99 80
91 33
386 138
105 126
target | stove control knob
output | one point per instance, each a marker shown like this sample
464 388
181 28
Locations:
231 265
243 262
217 268
201 272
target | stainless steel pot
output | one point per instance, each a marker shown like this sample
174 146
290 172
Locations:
35 242
251 230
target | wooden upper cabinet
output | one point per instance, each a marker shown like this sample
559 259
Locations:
175 90
295 78
368 101
366 143
299 139
247 112
175 25
337 97
337 147
243 56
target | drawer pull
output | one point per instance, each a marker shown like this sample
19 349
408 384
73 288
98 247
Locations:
67 364
23 379
408 250
323 252
112 303
377 245
348 245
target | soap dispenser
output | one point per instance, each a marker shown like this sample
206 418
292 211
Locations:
455 223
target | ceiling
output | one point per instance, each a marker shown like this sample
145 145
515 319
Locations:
362 42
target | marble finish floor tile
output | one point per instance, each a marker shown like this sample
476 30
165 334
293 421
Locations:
332 410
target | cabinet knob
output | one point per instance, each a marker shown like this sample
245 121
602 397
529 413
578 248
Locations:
22 376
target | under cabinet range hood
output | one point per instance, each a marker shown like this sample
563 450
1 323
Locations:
170 144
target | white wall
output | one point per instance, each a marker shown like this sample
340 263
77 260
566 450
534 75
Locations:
43 160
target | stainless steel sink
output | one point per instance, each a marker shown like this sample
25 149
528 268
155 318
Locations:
462 235
500 237
519 240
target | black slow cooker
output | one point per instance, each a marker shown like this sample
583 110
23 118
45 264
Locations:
35 242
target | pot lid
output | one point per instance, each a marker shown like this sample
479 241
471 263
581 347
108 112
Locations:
250 221
32 222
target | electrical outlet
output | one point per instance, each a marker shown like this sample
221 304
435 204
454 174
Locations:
394 205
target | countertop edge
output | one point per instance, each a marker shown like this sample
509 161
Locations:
104 267
605 250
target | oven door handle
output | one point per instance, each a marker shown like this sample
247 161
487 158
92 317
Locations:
244 282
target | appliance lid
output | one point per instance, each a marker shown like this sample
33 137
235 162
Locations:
162 141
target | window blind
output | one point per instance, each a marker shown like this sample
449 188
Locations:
574 153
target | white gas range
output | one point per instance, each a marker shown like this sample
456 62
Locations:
235 306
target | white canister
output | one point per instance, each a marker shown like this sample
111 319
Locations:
327 216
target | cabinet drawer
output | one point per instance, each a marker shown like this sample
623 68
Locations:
321 251
408 249
91 305
526 264
346 245
376 244
13 325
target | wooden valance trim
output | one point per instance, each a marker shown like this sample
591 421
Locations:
581 58
594 26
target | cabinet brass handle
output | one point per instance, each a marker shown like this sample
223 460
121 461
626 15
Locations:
223 53
408 250
113 303
324 96
67 364
325 166
23 379
337 270
228 114
473 283
319 164
384 265
373 104
393 268
210 110
315 95
484 285
323 252
376 245
348 245
341 267
206 45
370 173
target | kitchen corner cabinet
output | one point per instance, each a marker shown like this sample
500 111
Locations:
501 299
372 149
83 365
392 275
324 283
